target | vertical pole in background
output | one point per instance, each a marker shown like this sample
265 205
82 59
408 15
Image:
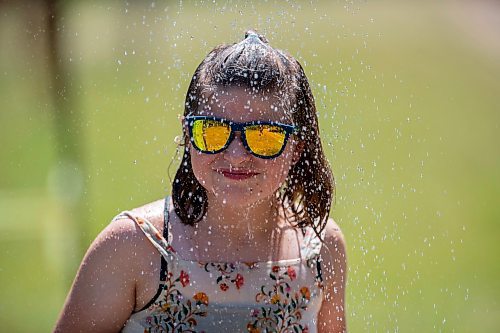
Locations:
67 176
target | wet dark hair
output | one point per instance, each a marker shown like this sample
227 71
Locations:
309 188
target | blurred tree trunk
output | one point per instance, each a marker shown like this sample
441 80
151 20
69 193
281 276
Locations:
68 172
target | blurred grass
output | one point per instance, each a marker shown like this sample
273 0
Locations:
408 101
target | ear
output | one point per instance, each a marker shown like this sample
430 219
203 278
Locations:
297 152
182 139
184 125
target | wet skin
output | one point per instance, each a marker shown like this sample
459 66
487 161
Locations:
120 272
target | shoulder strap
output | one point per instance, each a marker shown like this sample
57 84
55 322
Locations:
311 245
151 233
166 234
158 240
166 218
311 251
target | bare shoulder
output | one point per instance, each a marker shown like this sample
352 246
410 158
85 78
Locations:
333 252
334 238
125 228
121 235
331 317
153 212
108 276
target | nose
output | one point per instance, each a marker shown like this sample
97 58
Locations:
236 152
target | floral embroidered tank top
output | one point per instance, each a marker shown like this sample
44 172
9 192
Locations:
274 296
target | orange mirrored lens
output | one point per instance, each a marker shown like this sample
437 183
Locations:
265 140
210 135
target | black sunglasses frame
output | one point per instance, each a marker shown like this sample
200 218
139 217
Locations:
239 127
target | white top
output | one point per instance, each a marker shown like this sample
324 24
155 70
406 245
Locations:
273 296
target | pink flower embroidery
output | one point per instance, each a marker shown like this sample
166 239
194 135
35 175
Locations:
239 280
184 278
291 273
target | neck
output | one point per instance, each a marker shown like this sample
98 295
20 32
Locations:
241 223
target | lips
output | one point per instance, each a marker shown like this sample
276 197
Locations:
237 174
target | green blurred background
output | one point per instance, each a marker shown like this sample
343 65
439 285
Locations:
408 98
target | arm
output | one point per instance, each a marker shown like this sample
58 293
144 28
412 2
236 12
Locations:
331 317
103 293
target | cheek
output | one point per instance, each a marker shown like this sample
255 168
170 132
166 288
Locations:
201 164
279 168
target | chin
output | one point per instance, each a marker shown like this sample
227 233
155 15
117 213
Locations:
241 197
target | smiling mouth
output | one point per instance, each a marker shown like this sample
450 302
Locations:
237 174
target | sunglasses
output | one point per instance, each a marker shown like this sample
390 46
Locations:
264 139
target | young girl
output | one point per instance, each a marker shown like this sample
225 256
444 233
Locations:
244 244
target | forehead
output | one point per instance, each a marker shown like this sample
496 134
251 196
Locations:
242 105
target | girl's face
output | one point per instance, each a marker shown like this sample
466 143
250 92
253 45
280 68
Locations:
234 176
